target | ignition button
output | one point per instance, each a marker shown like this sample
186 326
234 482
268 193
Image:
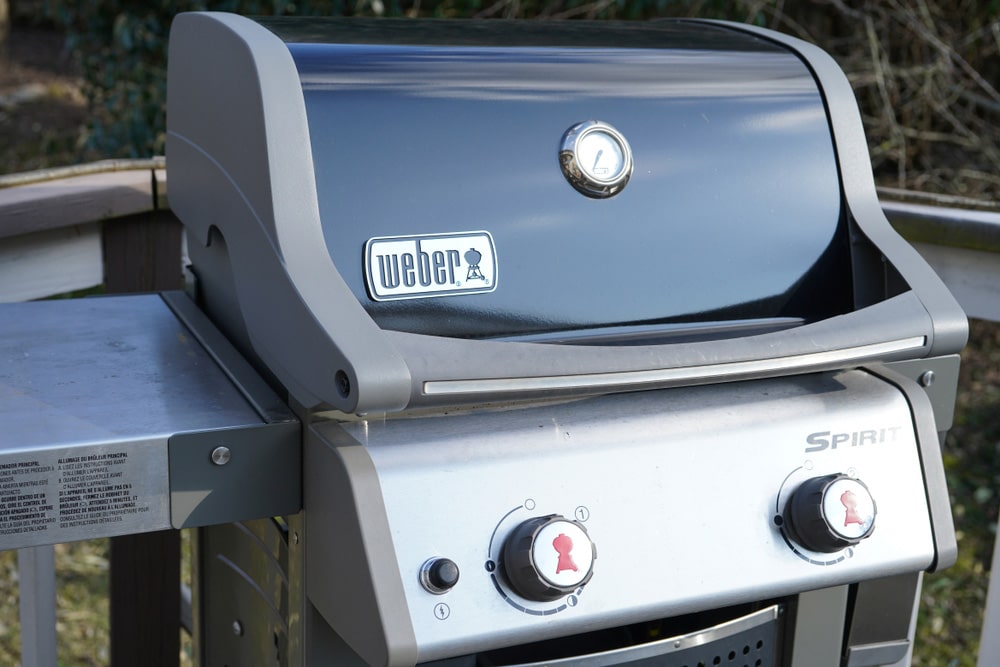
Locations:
439 575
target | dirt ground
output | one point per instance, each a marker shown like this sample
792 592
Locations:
41 106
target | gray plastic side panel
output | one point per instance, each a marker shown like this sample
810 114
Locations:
942 524
349 548
250 174
942 391
262 478
880 623
950 327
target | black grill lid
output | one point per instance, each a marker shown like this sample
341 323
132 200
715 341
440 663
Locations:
733 211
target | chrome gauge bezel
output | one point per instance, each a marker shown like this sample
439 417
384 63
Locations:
583 177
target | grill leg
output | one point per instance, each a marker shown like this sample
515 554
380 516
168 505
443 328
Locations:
819 628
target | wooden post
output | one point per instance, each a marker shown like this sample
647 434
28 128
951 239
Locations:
4 24
142 253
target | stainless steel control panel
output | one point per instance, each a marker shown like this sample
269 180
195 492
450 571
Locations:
594 513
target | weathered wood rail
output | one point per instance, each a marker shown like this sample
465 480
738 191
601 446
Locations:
109 223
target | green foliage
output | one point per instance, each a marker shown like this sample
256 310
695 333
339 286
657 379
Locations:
122 47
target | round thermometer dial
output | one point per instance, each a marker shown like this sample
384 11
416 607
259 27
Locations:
595 159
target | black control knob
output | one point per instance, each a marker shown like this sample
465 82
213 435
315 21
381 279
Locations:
439 575
548 557
830 513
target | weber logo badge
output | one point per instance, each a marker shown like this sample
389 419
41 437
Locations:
414 267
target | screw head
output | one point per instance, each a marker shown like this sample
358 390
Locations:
343 383
926 378
237 628
221 456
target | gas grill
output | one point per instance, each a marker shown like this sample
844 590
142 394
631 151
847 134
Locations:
603 349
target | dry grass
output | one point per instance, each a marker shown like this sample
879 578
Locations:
925 74
81 605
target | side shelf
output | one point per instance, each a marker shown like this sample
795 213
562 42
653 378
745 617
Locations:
133 414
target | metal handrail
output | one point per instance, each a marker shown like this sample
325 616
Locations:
945 225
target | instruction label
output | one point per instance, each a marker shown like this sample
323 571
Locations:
24 501
83 492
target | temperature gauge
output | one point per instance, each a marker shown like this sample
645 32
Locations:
596 159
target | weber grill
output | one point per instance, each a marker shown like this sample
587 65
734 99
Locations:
603 349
